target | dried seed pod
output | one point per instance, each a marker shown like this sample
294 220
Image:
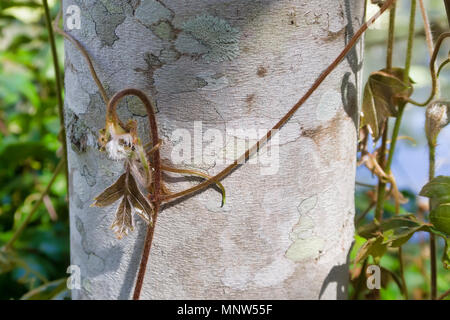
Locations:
437 117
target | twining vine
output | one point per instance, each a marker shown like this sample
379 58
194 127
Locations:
386 95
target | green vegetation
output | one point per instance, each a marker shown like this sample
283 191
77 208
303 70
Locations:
30 151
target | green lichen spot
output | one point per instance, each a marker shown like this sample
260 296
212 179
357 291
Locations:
169 55
164 31
112 6
302 250
219 38
151 12
107 18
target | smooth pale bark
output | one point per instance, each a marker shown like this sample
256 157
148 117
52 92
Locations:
282 234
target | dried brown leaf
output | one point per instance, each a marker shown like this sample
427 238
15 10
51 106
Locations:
123 221
140 203
382 94
112 193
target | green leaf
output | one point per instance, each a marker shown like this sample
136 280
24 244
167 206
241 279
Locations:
440 217
446 253
382 94
399 222
373 247
394 232
438 190
399 236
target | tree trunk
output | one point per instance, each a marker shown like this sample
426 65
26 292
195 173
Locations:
286 228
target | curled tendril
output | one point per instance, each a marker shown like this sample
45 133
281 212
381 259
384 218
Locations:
434 75
443 64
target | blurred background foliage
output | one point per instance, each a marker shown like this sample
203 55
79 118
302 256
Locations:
30 150
29 153
410 165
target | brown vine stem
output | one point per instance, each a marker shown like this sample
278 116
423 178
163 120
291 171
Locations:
427 27
157 198
83 51
288 115
111 110
391 36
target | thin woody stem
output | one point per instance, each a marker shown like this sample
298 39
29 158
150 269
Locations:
427 27
290 113
432 159
428 38
83 51
433 257
111 109
391 36
59 86
196 173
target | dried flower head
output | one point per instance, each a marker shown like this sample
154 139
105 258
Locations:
118 140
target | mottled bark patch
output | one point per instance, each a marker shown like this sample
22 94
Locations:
77 132
107 15
151 12
220 39
305 244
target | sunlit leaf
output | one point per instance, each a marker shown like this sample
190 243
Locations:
382 94
446 252
373 247
399 222
438 190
